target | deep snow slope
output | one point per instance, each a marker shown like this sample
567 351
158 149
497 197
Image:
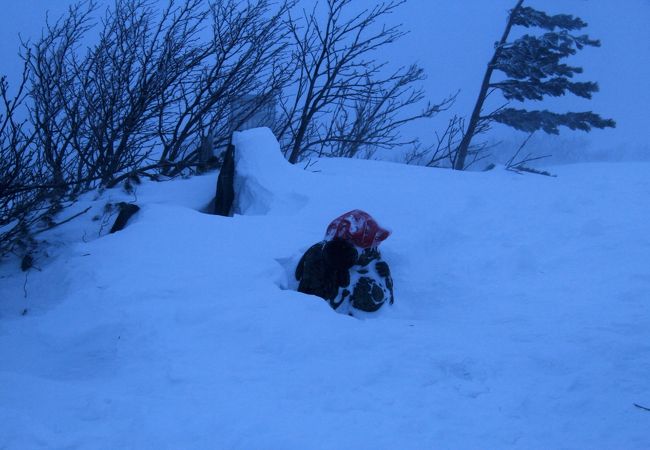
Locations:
522 316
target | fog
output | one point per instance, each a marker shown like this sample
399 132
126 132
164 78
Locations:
453 41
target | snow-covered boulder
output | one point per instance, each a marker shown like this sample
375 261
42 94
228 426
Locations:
265 182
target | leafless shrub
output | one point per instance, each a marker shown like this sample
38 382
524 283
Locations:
444 151
19 172
54 101
341 99
153 86
131 75
245 59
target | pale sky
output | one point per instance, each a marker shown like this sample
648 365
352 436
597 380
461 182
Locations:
453 41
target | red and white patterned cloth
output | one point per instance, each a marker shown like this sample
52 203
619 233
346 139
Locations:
358 227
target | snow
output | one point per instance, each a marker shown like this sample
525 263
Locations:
262 174
521 316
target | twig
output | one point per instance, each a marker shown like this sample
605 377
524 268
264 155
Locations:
25 286
64 221
106 215
521 168
511 162
310 164
641 407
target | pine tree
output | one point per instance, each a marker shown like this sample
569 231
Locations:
534 69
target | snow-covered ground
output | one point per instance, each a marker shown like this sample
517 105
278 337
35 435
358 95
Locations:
522 316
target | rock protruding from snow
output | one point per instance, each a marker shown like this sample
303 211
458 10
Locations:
225 195
264 181
127 210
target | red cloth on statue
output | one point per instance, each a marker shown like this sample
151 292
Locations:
357 227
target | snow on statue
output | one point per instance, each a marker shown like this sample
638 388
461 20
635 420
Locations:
346 268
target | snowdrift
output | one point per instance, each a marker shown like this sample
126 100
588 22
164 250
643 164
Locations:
264 181
521 316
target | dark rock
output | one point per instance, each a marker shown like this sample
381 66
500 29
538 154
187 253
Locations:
27 263
225 195
127 210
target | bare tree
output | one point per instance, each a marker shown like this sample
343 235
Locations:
376 118
20 172
54 100
341 100
245 58
141 55
152 81
94 113
444 151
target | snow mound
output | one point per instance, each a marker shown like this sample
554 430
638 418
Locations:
264 181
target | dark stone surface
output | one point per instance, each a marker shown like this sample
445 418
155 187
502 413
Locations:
27 263
127 210
225 195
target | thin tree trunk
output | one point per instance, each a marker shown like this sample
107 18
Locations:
297 144
463 147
